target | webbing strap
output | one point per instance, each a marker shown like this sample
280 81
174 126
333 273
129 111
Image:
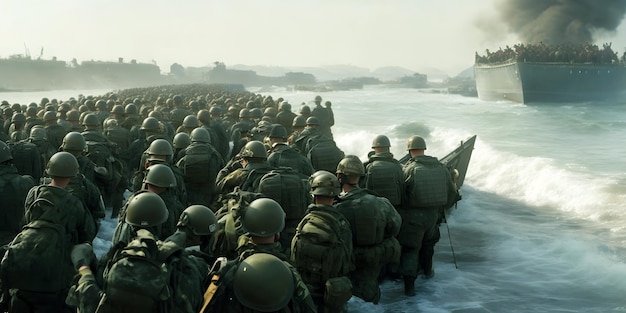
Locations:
210 292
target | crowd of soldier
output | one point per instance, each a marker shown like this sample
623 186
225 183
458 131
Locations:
565 53
229 244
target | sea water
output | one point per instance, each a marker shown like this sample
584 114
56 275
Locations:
541 226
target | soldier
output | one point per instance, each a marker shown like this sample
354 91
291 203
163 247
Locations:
49 296
54 131
325 262
181 142
120 136
219 136
144 209
383 173
101 110
13 190
62 116
373 220
18 121
430 189
160 180
285 116
117 113
281 154
200 164
262 220
310 131
151 130
190 122
325 116
73 117
253 157
297 126
32 119
38 138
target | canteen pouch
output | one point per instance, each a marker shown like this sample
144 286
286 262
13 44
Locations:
338 291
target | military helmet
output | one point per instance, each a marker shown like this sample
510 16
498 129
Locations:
312 120
118 109
263 218
146 209
200 219
244 113
305 110
203 116
254 149
49 116
285 106
62 164
416 142
16 107
270 111
91 120
318 98
156 114
160 175
150 124
131 109
381 141
182 140
190 121
263 283
18 118
38 133
215 110
200 135
351 165
278 131
110 122
178 99
31 111
83 108
160 147
5 152
299 121
72 116
73 141
90 104
101 104
325 183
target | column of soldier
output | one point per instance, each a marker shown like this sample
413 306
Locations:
237 205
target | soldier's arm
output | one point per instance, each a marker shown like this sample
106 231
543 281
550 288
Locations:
393 218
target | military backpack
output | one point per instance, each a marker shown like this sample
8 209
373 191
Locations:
429 187
323 153
200 164
287 187
382 176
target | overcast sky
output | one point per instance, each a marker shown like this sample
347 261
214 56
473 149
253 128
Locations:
370 33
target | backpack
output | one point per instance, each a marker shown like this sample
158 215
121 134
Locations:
137 277
318 251
101 155
382 176
430 183
13 190
26 159
323 153
287 187
201 164
38 257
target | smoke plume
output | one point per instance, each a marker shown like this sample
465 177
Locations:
560 21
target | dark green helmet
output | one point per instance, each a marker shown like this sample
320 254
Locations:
91 120
263 283
5 152
203 116
110 122
62 164
263 218
285 106
73 141
244 113
200 220
318 98
381 141
160 175
18 118
150 124
325 183
312 120
351 165
200 135
101 104
118 109
278 131
131 109
38 133
254 149
190 121
305 110
146 209
416 142
72 116
299 121
32 111
156 114
256 113
182 141
215 110
50 116
160 147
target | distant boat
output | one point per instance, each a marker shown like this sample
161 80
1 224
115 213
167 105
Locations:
529 82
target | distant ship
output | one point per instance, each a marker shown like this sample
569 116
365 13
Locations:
532 82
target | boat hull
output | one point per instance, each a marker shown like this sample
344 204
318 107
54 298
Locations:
528 82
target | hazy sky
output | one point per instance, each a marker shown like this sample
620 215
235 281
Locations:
370 33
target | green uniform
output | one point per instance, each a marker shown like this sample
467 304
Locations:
13 191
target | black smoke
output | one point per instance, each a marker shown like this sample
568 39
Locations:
561 21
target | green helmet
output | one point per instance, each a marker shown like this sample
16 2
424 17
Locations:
62 164
299 121
18 118
49 116
150 124
416 142
305 110
156 114
182 141
38 133
325 183
72 116
190 121
381 141
200 219
131 109
5 152
160 147
110 122
278 131
91 120
117 109
263 218
200 135
263 283
351 165
285 106
244 113
313 121
254 149
203 116
73 141
318 98
161 176
146 209
32 111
